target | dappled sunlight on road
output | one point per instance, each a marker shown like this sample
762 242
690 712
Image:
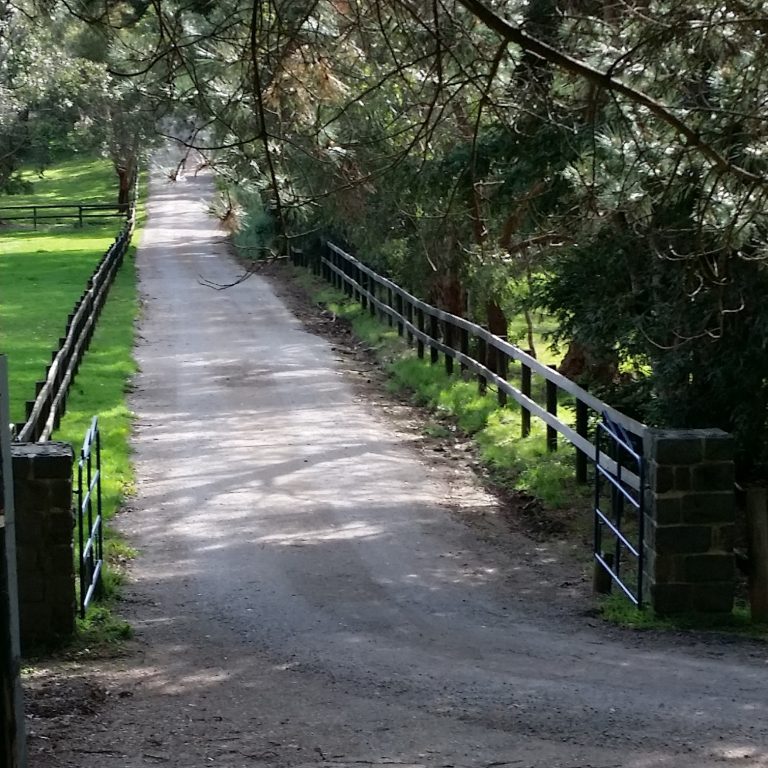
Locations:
343 532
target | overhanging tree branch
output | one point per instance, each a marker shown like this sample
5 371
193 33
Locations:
570 64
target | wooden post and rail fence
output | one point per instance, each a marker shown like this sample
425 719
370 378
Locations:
57 213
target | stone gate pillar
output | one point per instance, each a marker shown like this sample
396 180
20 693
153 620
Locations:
689 521
42 486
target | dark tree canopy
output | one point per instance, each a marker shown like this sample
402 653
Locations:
602 161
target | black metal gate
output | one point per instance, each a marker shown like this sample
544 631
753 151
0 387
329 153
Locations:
89 520
619 508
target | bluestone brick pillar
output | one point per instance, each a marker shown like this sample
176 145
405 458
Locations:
689 526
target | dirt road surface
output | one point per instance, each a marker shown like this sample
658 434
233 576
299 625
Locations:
306 596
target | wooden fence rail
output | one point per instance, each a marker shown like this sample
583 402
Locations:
58 212
477 350
45 411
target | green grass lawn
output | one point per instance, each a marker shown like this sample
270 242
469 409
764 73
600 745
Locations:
42 275
84 179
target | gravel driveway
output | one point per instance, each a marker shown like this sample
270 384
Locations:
306 594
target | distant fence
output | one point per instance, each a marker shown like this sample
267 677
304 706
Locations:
477 350
45 411
55 212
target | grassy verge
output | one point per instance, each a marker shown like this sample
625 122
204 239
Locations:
617 610
48 272
100 388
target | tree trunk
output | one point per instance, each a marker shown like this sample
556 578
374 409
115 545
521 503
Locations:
447 293
497 325
580 362
125 177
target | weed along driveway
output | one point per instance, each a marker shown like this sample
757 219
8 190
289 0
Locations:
309 592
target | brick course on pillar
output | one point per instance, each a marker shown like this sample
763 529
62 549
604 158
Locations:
690 508
42 485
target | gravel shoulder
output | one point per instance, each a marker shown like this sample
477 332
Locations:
315 587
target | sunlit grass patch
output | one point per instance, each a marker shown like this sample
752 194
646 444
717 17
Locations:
79 180
48 273
101 632
43 276
100 388
44 273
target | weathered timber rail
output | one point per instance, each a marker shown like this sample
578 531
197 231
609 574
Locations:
45 411
477 350
58 212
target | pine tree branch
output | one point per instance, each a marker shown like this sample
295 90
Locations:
568 63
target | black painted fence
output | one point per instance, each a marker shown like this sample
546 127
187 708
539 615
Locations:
476 350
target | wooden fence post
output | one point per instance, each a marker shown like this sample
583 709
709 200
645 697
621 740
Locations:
582 427
448 339
551 390
434 332
399 310
482 384
420 326
502 366
12 736
757 531
464 345
525 388
372 286
409 318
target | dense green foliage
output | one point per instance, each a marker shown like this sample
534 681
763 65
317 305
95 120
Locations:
601 162
58 97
